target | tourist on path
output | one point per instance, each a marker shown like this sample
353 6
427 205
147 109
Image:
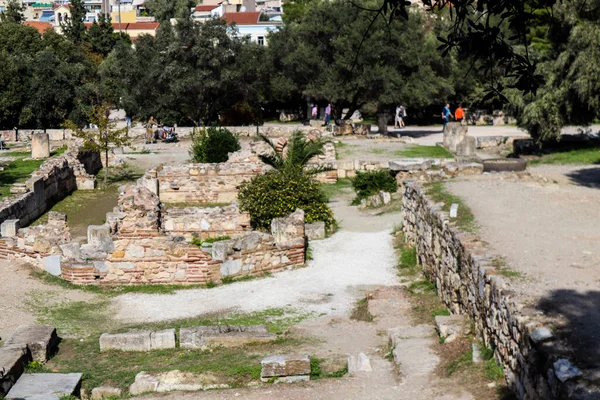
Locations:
399 119
446 114
459 114
328 114
313 114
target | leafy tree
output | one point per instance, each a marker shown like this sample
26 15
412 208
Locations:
102 38
164 10
73 27
14 12
102 139
328 57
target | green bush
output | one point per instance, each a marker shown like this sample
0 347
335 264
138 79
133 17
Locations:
275 195
213 145
369 183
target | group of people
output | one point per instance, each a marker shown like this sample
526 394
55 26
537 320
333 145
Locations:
314 114
459 114
165 133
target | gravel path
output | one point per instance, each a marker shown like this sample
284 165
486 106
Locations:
344 266
550 233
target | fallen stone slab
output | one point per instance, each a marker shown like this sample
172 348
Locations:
409 332
280 366
410 164
315 231
104 392
13 360
173 380
485 142
415 357
138 340
450 327
46 387
359 363
470 168
541 335
205 337
41 340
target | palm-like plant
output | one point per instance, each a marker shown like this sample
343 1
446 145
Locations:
298 151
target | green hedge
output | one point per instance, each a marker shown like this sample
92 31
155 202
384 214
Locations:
276 194
213 145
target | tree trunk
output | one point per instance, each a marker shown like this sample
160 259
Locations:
106 163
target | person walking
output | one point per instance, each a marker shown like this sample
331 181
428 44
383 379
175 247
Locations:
398 117
328 114
313 114
459 113
446 114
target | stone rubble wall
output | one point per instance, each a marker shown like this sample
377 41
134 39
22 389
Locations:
468 284
56 178
205 222
133 248
203 183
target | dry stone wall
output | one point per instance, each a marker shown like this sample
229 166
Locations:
468 284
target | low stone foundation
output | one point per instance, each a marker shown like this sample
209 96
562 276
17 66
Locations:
205 222
53 181
468 284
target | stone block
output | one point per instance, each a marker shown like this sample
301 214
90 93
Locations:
41 340
55 216
40 145
46 387
564 370
541 335
485 142
51 264
173 381
466 147
134 251
231 267
164 339
105 392
410 164
471 168
222 249
71 250
315 230
359 363
454 133
99 238
128 341
138 340
205 337
290 365
9 228
86 183
477 357
289 231
450 327
13 360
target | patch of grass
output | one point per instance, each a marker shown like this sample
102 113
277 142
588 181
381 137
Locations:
493 371
424 151
208 241
440 312
117 176
377 151
36 367
334 190
228 279
583 156
309 253
17 171
464 361
501 265
361 311
317 372
465 218
421 286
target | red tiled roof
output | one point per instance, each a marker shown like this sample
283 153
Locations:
127 26
242 18
40 26
205 7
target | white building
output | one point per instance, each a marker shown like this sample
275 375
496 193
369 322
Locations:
249 24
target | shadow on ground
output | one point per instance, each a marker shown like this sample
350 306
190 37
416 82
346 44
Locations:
579 329
415 134
588 177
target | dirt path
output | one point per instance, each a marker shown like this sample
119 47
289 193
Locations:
17 286
550 233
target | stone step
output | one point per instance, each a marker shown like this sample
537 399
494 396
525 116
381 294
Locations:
46 386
